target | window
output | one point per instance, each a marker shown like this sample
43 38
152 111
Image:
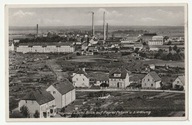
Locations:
54 92
151 85
51 111
177 82
148 79
77 79
25 101
83 79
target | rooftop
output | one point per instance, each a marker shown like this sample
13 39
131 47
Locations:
63 86
41 96
155 76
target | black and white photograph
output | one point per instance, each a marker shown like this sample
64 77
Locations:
97 61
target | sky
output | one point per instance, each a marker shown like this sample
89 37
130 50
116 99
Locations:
120 16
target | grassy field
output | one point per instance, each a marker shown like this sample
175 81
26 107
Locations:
128 104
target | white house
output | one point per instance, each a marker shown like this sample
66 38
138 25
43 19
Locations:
156 40
179 81
151 81
119 78
63 92
57 47
41 101
81 79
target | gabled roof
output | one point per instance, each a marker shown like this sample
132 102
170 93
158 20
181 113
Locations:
121 71
81 71
40 96
155 76
182 78
63 86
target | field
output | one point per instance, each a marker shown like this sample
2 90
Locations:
127 104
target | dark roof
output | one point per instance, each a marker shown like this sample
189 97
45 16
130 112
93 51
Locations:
81 71
155 76
99 76
41 96
121 71
63 86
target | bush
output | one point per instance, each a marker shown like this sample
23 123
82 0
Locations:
16 114
25 112
36 115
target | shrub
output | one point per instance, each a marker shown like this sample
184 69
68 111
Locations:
36 115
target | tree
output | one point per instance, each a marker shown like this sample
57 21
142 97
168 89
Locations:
36 115
170 48
144 43
169 43
175 48
137 50
169 56
178 51
24 111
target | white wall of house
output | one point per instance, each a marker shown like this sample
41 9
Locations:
46 108
45 49
119 83
155 42
80 80
148 82
177 82
56 94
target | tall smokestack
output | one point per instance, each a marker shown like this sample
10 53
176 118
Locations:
104 28
93 27
37 30
107 31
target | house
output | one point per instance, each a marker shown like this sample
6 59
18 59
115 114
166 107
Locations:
63 92
151 81
147 36
119 78
81 79
179 82
41 101
156 40
84 46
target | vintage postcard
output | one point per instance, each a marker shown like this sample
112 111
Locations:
96 62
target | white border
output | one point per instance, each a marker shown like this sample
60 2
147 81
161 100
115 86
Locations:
2 92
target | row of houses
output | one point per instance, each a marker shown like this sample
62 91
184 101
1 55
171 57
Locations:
121 78
153 81
48 102
116 78
40 47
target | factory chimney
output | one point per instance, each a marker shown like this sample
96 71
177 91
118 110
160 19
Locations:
107 31
104 28
93 27
37 30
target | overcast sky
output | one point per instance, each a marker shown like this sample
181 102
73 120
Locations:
146 16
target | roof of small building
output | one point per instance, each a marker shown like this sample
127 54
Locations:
121 71
155 76
99 76
157 38
182 78
63 86
41 96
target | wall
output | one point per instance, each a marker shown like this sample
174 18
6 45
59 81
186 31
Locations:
57 96
46 108
148 82
113 83
177 82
